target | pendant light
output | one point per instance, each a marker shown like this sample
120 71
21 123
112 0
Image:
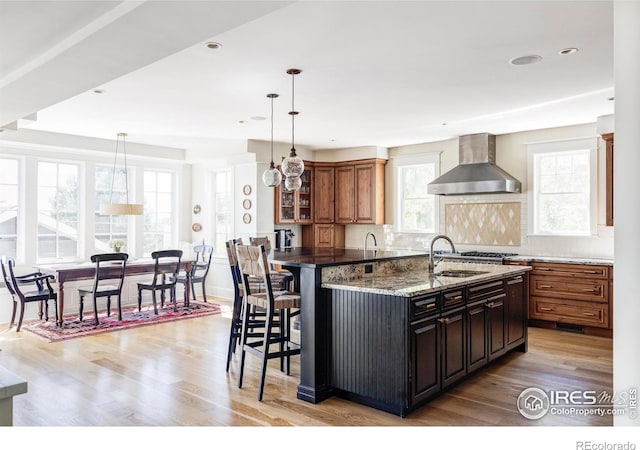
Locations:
272 176
292 166
121 209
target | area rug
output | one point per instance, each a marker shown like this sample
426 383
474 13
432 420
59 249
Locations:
131 318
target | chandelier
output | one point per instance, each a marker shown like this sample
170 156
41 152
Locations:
272 176
121 209
292 166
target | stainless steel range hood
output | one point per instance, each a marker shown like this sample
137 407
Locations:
477 172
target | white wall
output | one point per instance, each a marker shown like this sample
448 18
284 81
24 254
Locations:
626 310
511 155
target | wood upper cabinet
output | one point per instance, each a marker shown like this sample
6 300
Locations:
295 206
323 188
359 192
608 139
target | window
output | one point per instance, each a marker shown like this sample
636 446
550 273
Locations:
108 227
223 210
564 188
58 202
8 207
158 210
417 211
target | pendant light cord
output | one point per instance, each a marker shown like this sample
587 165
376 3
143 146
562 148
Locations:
126 171
293 112
272 164
115 161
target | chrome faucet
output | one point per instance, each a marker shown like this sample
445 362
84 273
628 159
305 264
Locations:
432 263
375 242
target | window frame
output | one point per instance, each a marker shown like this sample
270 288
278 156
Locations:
20 202
128 232
174 202
589 145
401 162
80 244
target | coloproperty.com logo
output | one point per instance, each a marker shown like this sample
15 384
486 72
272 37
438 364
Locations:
535 403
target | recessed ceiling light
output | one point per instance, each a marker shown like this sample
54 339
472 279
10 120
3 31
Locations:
214 45
241 121
610 99
257 118
98 91
568 51
524 60
444 124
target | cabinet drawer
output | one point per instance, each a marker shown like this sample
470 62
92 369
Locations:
484 290
577 289
452 299
570 311
423 307
570 270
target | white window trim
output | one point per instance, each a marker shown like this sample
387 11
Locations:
533 149
175 193
220 253
397 163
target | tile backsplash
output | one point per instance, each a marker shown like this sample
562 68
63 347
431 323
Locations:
483 223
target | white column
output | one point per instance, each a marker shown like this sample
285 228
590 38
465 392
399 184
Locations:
626 304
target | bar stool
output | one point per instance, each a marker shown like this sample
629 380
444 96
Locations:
252 262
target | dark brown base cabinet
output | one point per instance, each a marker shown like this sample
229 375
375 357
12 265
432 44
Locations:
397 353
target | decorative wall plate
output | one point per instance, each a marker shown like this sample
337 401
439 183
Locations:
196 227
197 209
246 204
246 189
246 218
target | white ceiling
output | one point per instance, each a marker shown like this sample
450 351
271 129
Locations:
384 73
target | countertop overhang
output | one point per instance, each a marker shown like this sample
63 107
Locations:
322 257
414 284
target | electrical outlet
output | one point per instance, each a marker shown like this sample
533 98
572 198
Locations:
368 268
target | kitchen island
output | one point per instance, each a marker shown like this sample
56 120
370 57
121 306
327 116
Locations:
378 329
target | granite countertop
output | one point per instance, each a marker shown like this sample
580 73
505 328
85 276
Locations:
561 259
323 257
413 284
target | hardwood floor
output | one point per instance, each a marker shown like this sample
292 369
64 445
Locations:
173 375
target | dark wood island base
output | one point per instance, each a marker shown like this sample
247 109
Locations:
396 349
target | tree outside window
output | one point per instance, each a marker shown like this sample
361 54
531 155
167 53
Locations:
58 204
564 192
417 209
158 210
108 228
8 207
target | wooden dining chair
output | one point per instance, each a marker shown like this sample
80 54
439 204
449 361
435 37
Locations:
252 262
199 269
109 266
28 288
165 276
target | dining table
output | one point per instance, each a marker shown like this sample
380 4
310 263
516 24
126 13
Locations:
86 271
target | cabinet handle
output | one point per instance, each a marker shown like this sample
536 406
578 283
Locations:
543 268
457 298
591 271
492 305
444 320
546 309
590 290
544 286
589 314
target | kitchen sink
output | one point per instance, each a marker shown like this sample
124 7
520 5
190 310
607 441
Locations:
459 273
